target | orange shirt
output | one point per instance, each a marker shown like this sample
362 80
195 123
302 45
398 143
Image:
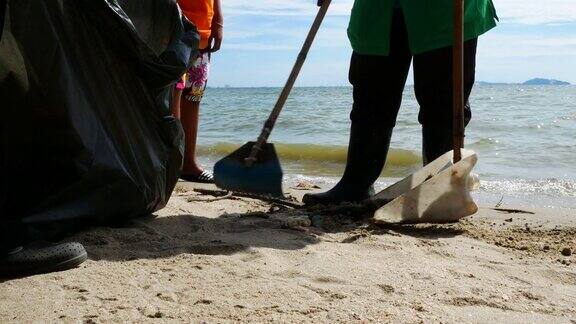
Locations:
200 13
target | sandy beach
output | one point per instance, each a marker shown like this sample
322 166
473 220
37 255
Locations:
247 260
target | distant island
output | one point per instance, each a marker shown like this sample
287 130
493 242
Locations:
535 81
541 81
492 83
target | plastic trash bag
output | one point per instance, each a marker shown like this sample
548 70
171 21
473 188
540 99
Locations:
86 135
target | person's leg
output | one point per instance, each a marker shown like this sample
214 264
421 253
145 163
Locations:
378 83
433 87
190 116
41 257
19 257
177 99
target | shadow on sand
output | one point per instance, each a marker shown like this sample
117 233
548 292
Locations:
153 238
349 218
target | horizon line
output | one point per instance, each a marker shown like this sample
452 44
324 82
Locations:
350 86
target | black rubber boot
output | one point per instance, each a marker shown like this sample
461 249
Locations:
437 136
42 257
435 142
367 152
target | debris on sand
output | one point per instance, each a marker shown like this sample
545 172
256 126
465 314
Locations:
296 222
304 185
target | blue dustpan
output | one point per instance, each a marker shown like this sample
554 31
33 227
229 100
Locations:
254 168
263 177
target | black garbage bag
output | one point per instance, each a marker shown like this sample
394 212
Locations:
86 135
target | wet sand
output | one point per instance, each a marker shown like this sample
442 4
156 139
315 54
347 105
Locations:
246 260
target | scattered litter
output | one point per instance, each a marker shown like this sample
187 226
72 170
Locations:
304 185
513 211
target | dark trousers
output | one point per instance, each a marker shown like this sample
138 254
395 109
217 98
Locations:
379 81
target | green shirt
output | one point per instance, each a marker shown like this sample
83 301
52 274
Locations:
430 23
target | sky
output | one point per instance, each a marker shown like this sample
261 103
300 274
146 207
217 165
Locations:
534 38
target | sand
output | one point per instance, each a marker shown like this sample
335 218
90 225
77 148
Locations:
247 260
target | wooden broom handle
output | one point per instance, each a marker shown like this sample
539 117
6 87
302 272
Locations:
458 78
269 125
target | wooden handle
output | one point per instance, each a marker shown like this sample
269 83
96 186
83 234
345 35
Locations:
458 77
269 125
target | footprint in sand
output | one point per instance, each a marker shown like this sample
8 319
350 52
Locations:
251 256
326 294
167 296
562 277
329 279
387 288
475 301
290 274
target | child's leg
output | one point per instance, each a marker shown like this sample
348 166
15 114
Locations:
189 115
175 105
177 97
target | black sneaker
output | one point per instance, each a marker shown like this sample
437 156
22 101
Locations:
42 257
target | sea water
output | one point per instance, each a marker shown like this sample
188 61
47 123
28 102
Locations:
525 137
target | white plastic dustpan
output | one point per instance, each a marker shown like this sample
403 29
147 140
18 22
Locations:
440 192
437 193
414 180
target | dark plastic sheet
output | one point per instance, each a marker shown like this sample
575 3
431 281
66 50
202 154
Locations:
85 130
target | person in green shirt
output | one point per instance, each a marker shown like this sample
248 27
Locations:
387 36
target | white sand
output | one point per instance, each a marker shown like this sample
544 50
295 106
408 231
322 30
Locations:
212 261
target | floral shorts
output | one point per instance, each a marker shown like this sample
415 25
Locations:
193 82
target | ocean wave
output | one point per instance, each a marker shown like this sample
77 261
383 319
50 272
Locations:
316 153
551 187
541 193
484 142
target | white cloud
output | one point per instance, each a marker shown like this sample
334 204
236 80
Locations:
531 12
509 53
535 12
252 30
256 47
500 45
288 31
283 7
